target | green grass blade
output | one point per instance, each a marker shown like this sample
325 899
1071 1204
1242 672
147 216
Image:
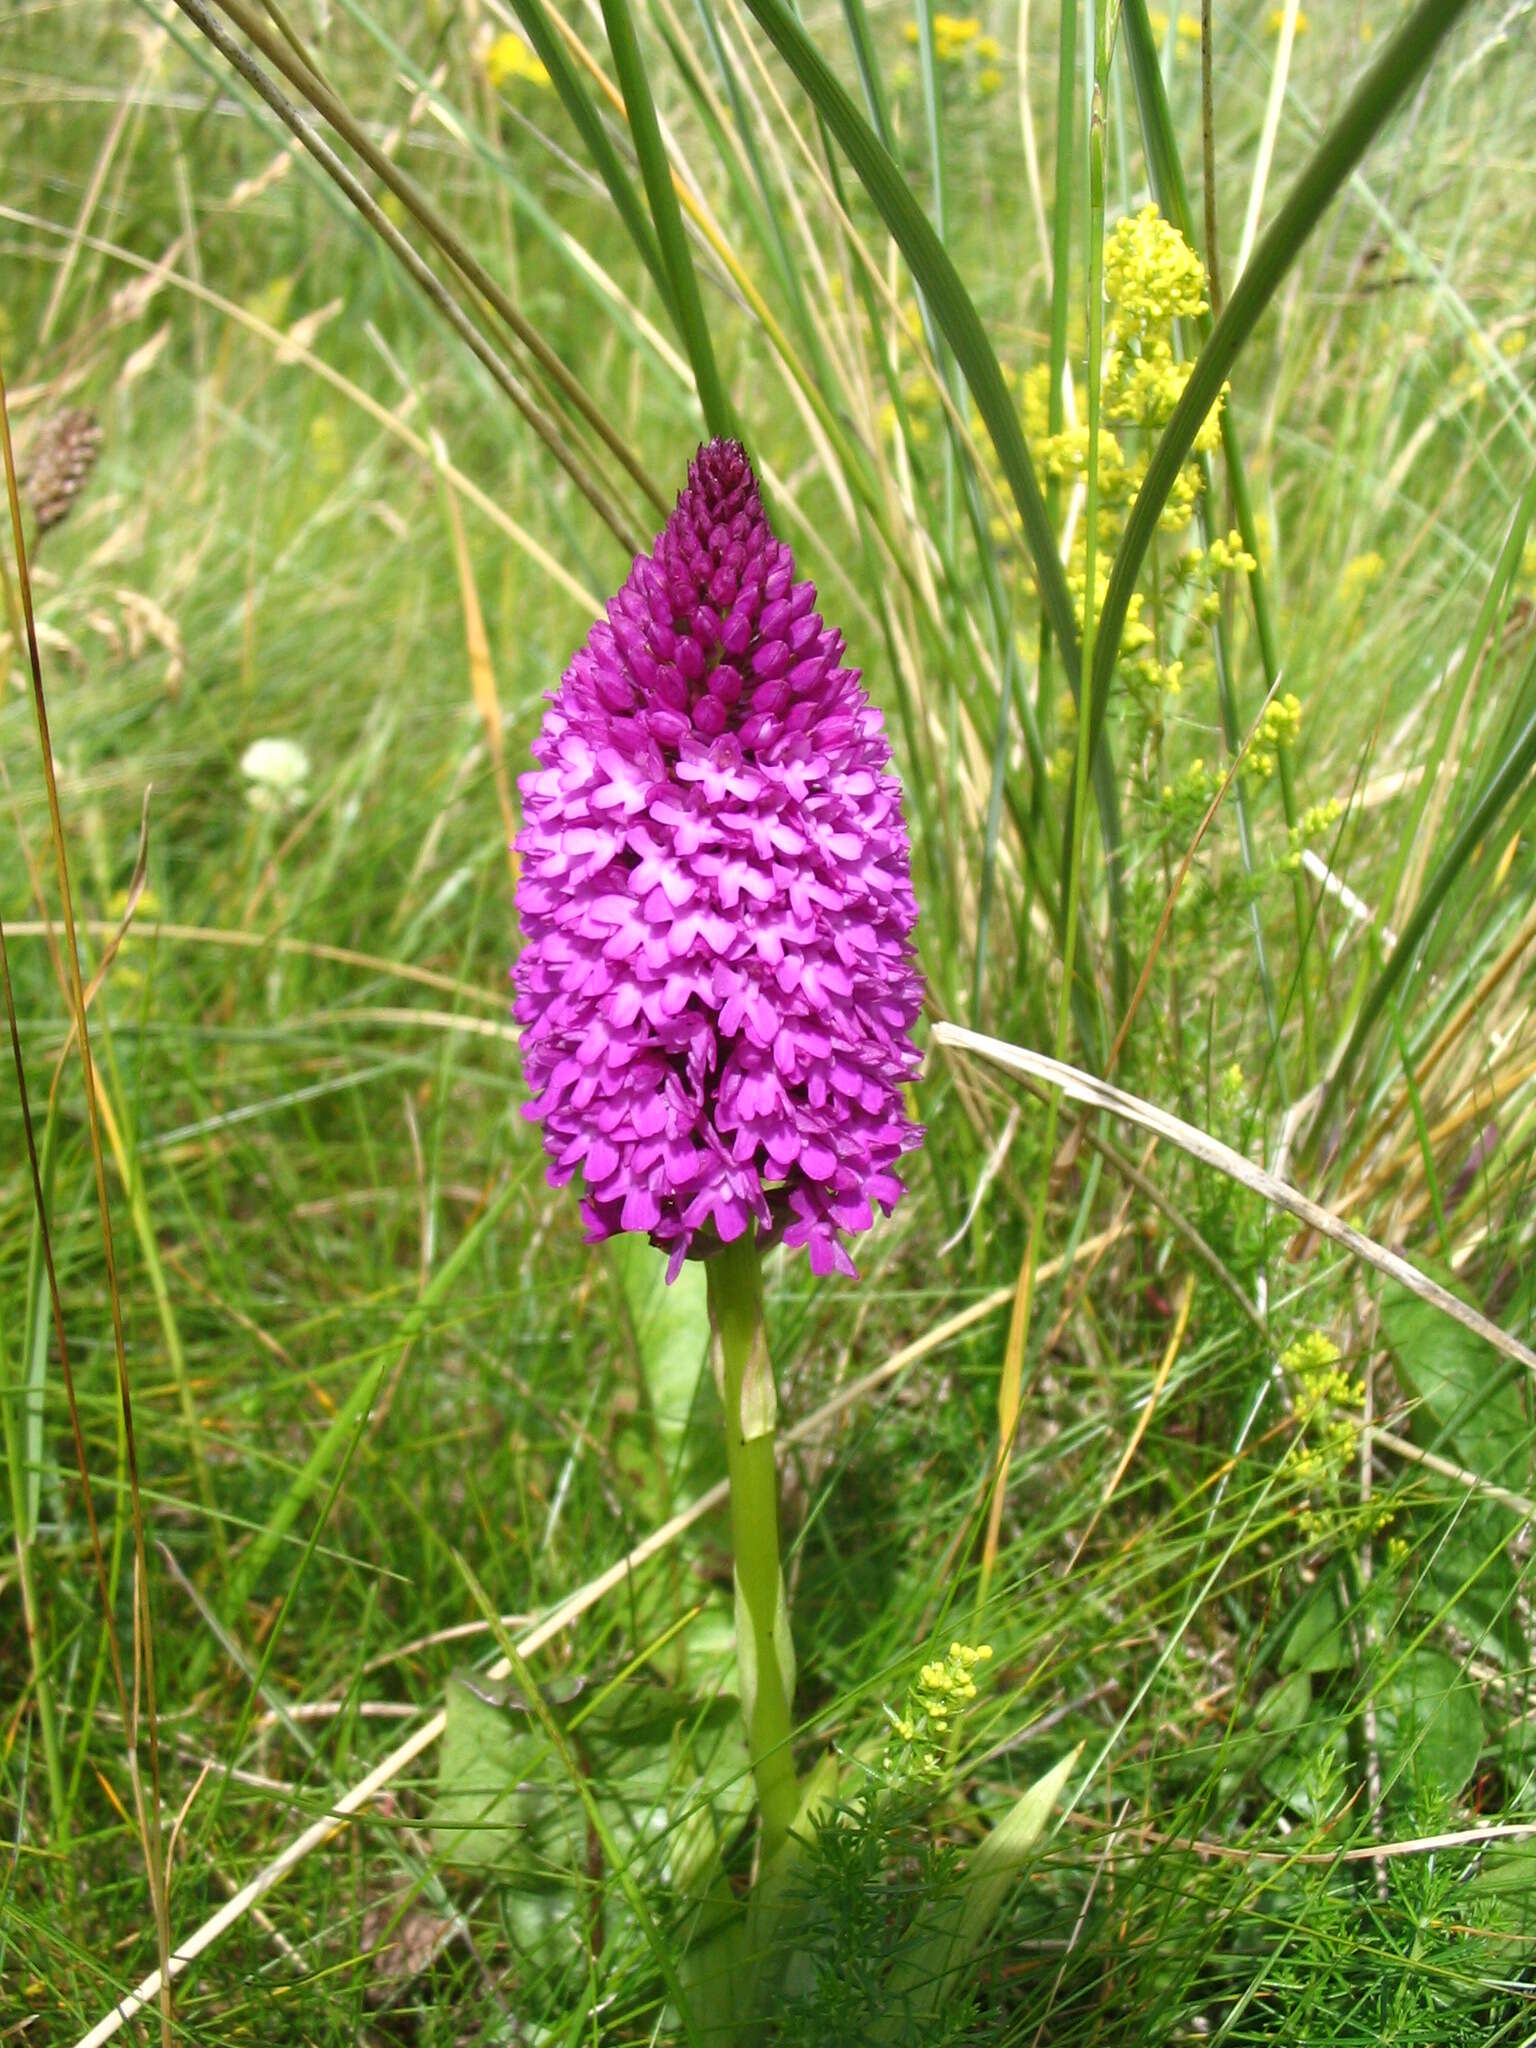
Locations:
1490 614
341 1431
939 282
528 1685
1167 174
656 171
1484 814
945 297
588 123
862 43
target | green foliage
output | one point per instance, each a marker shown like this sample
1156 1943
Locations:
363 1334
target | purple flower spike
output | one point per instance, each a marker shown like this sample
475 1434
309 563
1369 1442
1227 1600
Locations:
717 987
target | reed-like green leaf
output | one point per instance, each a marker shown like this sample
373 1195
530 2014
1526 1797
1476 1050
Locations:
937 279
588 122
656 170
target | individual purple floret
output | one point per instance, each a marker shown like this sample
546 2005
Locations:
717 986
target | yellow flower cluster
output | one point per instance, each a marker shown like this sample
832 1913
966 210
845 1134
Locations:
1275 21
1192 792
943 1690
1224 557
1229 556
1321 1388
1151 278
943 1686
1315 823
1278 728
509 57
958 40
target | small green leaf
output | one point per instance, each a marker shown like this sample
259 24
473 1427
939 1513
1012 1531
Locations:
480 1818
1316 1641
1003 1855
1429 1723
1470 1401
1470 1571
1506 1885
671 1327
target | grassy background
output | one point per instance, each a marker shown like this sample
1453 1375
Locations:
327 1409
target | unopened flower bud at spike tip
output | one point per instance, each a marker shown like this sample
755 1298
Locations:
717 987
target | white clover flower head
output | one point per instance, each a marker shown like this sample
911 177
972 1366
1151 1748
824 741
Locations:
276 775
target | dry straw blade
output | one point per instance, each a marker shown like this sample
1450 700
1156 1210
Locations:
1096 1094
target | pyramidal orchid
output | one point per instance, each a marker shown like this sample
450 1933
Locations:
717 986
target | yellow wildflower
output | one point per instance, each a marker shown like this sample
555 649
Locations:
1151 276
1276 21
1189 28
944 1688
1276 729
1226 556
1321 1389
989 79
510 57
1358 574
988 49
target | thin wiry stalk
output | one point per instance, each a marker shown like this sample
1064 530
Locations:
306 82
1475 650
148 1814
1199 1145
426 281
1507 779
24 1520
1011 1379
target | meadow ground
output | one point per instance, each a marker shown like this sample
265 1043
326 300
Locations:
1261 1552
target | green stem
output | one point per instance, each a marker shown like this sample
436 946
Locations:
1011 1382
764 1650
25 1534
671 236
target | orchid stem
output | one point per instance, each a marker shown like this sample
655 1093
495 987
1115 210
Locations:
764 1650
